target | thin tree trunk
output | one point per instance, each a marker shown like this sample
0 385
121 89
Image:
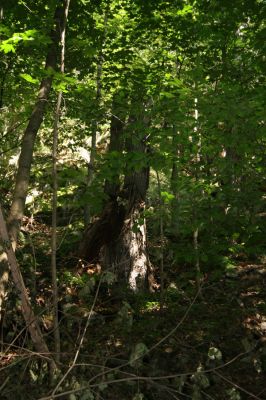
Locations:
161 241
177 150
28 314
196 228
87 208
25 159
55 188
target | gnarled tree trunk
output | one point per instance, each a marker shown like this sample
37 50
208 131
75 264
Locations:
118 237
126 253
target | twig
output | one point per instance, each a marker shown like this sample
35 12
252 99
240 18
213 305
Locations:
237 386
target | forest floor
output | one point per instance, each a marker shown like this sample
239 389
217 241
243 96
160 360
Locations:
187 345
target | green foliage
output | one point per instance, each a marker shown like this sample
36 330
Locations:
31 35
151 64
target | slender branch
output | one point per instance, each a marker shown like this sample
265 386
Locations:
55 188
27 310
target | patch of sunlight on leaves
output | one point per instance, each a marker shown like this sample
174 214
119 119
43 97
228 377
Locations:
71 279
229 268
9 45
167 197
151 306
187 9
28 78
7 48
215 354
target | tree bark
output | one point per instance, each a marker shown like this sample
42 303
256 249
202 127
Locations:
118 236
108 225
127 254
25 159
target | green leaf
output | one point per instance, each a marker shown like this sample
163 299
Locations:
137 354
167 197
7 47
214 354
28 78
188 9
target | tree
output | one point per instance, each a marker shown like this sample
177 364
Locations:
120 231
25 159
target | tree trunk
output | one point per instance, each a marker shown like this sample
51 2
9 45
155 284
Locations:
28 314
55 189
126 253
119 237
95 123
25 159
